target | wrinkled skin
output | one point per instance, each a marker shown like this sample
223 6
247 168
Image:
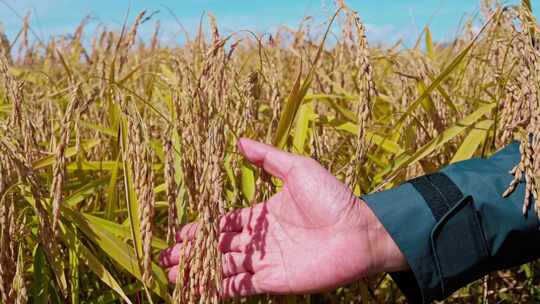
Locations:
311 236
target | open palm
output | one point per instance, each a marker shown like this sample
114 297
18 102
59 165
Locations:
311 236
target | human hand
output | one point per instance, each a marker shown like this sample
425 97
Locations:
311 236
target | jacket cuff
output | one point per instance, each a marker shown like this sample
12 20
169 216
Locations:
431 220
409 221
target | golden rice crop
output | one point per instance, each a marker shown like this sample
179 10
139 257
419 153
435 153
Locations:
106 149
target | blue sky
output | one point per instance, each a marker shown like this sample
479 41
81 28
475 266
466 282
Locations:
386 20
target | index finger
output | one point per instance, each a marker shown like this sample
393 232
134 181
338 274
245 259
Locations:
241 219
234 221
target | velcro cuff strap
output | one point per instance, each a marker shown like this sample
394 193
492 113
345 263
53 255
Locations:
459 246
457 227
439 192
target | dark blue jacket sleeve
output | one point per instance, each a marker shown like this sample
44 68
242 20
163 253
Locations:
454 226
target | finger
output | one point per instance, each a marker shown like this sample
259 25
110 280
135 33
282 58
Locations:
240 219
241 285
235 263
187 232
232 221
172 274
232 242
171 256
273 160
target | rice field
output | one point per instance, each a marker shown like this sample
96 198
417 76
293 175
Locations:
107 148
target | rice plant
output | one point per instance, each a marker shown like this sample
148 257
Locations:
106 149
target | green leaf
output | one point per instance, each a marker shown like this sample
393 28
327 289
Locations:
104 130
383 142
447 100
121 231
437 142
131 197
160 188
111 296
310 97
429 43
117 250
41 278
429 107
247 179
87 190
50 160
474 139
112 194
443 75
43 289
85 255
346 113
5 108
297 94
301 128
288 112
73 256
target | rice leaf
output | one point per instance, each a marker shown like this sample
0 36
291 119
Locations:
301 129
87 190
112 197
247 180
474 139
121 230
383 142
85 255
111 296
444 74
50 160
104 130
297 94
74 273
41 277
131 196
429 43
5 108
437 142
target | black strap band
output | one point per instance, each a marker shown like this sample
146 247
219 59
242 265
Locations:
439 192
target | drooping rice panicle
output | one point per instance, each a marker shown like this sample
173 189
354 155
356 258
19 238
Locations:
59 168
141 160
172 187
524 113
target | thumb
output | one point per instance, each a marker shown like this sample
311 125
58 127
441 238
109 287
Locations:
272 160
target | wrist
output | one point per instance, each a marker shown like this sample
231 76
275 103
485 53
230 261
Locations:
386 255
